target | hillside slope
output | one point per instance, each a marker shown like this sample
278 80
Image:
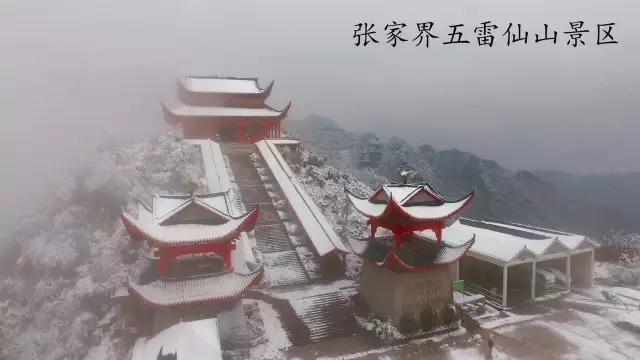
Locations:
501 194
68 258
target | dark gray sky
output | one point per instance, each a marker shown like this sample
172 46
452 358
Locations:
73 72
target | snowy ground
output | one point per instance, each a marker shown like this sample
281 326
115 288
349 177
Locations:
581 325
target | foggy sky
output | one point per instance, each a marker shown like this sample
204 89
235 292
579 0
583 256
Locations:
75 72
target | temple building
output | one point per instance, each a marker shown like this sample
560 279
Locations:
415 272
227 109
191 268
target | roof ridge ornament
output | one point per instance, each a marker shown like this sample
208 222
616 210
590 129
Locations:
406 175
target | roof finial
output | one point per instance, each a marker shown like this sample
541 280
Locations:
406 175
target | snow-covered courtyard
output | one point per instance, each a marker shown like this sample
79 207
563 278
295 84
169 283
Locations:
580 325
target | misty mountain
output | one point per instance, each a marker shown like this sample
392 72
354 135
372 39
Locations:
500 194
619 192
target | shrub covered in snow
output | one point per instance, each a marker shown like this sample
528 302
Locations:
262 171
628 271
308 260
280 204
409 323
283 215
382 330
274 195
353 264
255 157
429 318
75 251
449 315
292 229
325 185
619 238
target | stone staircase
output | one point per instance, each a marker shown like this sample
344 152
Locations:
282 263
309 314
328 316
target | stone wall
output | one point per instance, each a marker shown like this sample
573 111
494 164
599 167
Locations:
390 294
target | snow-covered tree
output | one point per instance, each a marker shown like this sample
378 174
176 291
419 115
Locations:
621 239
73 253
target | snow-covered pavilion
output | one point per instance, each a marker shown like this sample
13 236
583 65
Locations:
193 340
230 108
191 267
507 261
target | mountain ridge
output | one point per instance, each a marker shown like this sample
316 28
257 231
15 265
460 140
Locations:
519 196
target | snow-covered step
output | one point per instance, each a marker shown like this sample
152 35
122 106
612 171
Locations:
252 194
283 268
272 238
268 215
329 315
237 148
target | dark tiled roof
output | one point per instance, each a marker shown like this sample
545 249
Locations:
428 255
159 291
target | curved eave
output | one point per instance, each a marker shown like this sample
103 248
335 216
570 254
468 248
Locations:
169 117
150 294
209 234
283 113
393 262
375 211
266 92
456 207
363 206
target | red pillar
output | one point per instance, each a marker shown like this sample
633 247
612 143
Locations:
227 258
163 264
438 234
373 231
398 236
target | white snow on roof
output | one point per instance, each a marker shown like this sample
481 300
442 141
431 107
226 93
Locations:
220 286
188 110
173 235
144 215
284 142
165 206
501 246
216 202
194 340
222 85
420 212
320 232
569 240
162 206
399 193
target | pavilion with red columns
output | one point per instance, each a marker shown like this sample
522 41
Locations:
190 269
228 109
404 208
416 273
